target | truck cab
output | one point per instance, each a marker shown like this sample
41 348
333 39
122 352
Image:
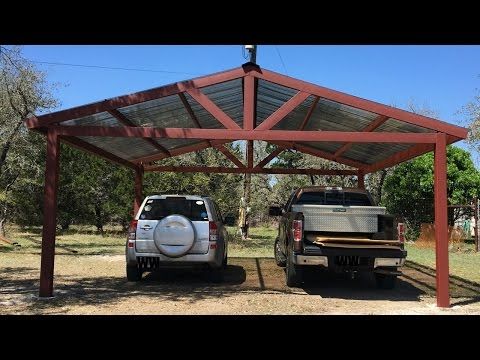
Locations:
339 229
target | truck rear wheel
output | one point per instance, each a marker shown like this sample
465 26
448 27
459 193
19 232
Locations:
279 256
385 281
293 273
134 273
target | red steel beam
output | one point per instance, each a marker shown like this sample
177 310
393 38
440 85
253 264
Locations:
226 170
441 223
283 111
361 180
318 153
248 102
231 134
190 112
127 122
85 146
370 127
250 154
364 104
230 156
269 158
309 113
180 151
399 157
49 215
213 109
138 189
131 99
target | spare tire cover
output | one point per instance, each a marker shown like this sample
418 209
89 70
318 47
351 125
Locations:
174 235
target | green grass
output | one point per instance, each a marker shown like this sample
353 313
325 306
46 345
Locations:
464 263
86 241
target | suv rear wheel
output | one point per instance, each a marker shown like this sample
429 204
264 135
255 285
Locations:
216 275
134 273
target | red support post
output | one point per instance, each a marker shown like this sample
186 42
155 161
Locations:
361 180
441 223
138 189
49 215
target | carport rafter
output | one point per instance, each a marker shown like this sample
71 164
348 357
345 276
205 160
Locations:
440 135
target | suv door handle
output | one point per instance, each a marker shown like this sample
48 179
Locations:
145 227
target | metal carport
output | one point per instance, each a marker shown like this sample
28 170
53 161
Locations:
246 103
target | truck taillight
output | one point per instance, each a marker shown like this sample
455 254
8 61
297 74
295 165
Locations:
297 235
213 230
132 230
401 232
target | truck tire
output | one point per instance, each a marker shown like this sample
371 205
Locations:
385 281
279 256
134 273
293 273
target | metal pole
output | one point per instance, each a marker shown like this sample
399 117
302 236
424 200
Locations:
49 215
441 221
253 54
138 189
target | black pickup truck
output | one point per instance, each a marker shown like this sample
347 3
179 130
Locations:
339 229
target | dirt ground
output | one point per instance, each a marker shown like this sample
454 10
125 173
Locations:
97 285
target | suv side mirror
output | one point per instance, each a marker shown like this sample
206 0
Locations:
275 211
229 220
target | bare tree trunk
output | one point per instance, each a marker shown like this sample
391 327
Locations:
312 179
98 219
380 185
3 220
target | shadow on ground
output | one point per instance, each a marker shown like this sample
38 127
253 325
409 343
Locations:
243 275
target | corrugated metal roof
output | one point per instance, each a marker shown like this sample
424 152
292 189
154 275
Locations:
392 125
205 119
125 148
165 112
370 153
100 119
294 120
270 97
228 96
170 144
324 146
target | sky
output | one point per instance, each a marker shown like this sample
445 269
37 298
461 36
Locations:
442 78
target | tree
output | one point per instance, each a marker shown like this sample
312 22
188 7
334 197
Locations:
24 90
409 189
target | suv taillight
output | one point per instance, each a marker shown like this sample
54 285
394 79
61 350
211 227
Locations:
132 231
297 235
212 226
401 232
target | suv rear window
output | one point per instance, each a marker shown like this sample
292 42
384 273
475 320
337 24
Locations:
334 198
157 209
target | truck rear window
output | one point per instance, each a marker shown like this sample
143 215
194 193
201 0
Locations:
334 198
157 209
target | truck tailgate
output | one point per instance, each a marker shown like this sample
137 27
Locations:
338 218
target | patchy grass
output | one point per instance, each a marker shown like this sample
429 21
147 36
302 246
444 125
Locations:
464 263
259 243
86 241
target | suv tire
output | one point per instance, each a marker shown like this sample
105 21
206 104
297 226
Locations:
134 273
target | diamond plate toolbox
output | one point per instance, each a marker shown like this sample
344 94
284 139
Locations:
334 218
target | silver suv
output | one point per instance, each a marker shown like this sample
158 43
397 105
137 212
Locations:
177 230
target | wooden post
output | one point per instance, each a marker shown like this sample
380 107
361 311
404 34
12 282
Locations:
476 213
